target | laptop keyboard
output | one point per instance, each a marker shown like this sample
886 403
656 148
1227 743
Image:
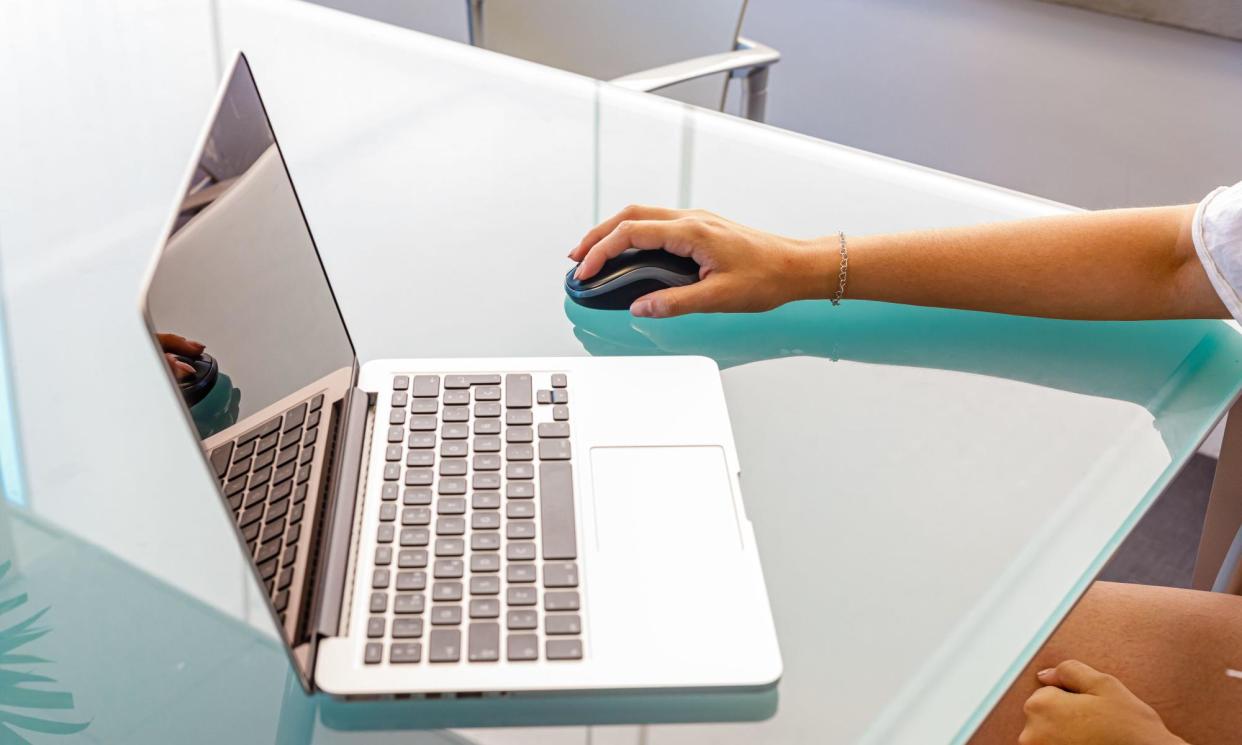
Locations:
477 546
264 475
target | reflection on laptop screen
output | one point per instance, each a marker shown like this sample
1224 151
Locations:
240 276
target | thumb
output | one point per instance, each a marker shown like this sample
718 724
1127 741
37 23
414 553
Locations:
1074 676
699 297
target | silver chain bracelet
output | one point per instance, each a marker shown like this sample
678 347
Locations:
843 272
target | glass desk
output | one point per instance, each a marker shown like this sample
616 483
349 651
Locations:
931 490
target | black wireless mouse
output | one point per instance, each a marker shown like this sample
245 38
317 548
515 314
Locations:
630 275
196 387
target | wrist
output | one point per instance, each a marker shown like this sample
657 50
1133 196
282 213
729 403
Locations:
815 269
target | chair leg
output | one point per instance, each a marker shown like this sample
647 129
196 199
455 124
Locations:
1224 513
755 93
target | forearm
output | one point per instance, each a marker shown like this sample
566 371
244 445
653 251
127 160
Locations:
1118 264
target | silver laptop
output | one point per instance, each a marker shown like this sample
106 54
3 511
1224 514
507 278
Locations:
446 526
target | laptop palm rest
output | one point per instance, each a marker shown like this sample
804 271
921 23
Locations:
664 496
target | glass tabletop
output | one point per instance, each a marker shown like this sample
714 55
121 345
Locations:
931 490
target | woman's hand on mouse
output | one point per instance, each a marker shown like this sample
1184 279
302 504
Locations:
740 268
175 344
1080 705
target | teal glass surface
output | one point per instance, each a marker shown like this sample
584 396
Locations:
930 489
11 479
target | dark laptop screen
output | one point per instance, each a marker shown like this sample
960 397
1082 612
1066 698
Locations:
240 276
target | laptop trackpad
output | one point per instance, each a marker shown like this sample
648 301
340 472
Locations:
664 500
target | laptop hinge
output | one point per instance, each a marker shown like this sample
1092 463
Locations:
345 491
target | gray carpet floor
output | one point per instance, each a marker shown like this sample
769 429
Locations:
1161 549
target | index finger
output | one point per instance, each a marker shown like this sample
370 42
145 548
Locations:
669 235
178 344
632 212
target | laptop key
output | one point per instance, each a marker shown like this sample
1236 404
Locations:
485 608
544 397
423 423
453 467
385 533
392 453
284 473
400 382
420 458
416 516
560 397
267 569
267 442
485 521
520 596
236 484
519 434
450 526
220 459
455 414
454 449
316 402
554 450
399 400
426 386
290 556
520 573
409 603
415 476
277 509
560 413
517 391
520 510
522 647
560 574
520 471
380 578
421 440
487 427
268 550
519 490
250 515
446 592
256 496
559 380
449 568
450 547
520 551
445 615
424 406
487 462
280 491
416 496
556 502
457 397
309 439
485 542
396 434
444 645
485 500
272 530
239 470
487 409
235 501
485 563
405 652
388 512
554 429
414 536
563 623
451 506
561 600
411 581
519 418
312 420
519 452
379 602
485 585
285 579
564 649
374 653
407 628
486 444
383 555
521 620
484 642
396 416
521 530
487 393
376 626
486 481
412 558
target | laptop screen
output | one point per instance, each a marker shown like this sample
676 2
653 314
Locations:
239 280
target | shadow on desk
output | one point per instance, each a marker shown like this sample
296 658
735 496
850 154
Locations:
1172 368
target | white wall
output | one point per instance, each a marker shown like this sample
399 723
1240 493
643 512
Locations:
1081 107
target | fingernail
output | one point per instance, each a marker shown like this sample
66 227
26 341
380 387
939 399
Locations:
1045 672
641 308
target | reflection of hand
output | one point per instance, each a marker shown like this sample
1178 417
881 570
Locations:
740 268
175 344
1079 705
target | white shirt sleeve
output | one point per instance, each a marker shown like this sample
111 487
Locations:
1217 234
